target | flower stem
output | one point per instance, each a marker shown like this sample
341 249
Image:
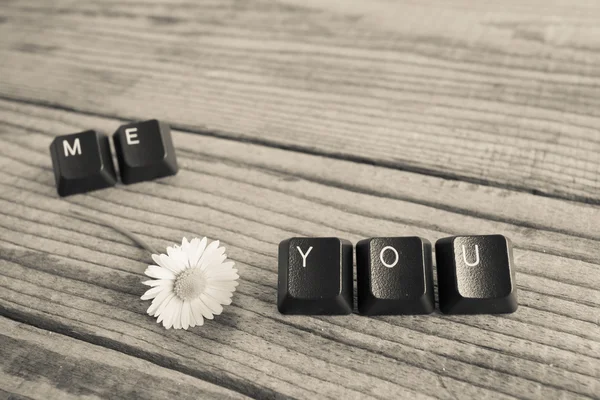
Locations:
117 228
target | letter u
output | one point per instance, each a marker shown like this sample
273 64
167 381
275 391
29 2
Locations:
476 256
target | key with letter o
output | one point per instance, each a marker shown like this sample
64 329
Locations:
476 275
315 276
82 162
394 276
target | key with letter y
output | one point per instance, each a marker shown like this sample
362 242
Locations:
315 276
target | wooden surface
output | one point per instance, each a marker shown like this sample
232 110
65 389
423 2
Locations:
293 118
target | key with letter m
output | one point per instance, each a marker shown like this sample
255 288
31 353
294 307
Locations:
82 162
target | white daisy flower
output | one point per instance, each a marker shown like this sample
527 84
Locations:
192 282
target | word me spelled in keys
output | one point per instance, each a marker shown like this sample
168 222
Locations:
395 276
83 161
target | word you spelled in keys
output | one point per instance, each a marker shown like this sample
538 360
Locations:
395 276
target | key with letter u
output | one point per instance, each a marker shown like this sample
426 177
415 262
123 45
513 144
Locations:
394 276
315 276
476 275
82 162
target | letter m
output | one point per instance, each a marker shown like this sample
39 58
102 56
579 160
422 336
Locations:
76 149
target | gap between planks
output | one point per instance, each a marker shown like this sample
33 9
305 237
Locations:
395 165
557 216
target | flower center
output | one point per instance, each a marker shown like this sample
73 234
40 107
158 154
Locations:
190 284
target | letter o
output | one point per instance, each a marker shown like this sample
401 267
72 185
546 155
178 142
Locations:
392 265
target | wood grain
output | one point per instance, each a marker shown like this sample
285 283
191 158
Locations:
42 364
500 94
83 280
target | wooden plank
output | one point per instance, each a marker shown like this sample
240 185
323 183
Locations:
380 367
39 364
515 208
214 179
546 243
501 95
82 279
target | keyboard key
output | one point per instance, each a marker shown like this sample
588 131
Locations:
82 162
476 275
145 151
315 276
394 276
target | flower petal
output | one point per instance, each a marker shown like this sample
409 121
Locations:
200 308
185 315
156 282
189 249
157 260
160 310
212 304
173 264
171 312
158 300
197 315
223 285
222 297
219 295
154 271
222 266
222 276
166 262
226 302
177 316
184 244
176 252
192 319
198 252
208 253
152 293
215 257
215 262
215 269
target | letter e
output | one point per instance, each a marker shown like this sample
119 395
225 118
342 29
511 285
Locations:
131 136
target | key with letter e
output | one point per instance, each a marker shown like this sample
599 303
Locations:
394 276
145 151
476 275
82 162
315 276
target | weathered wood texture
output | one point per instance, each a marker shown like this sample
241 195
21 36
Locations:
302 118
502 93
42 364
83 280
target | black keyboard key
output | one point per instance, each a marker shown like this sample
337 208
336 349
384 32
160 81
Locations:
394 276
476 275
315 276
145 151
82 162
